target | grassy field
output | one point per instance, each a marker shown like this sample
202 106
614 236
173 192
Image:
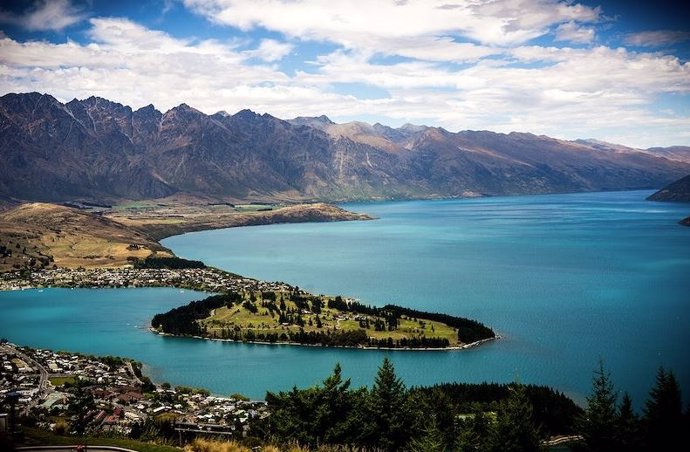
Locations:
43 235
266 321
59 381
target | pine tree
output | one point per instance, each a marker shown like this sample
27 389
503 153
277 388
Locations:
81 403
598 425
431 439
476 433
388 408
332 408
627 435
515 429
663 414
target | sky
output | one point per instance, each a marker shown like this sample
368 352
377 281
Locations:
615 70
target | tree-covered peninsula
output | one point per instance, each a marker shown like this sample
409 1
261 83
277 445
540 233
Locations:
294 316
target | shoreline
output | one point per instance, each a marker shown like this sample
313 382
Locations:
358 347
208 280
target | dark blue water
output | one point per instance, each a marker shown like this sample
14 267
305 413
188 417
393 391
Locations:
566 279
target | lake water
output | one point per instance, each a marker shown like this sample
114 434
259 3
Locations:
565 279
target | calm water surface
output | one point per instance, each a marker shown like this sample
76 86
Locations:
566 279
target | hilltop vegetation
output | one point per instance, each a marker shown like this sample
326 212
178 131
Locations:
298 317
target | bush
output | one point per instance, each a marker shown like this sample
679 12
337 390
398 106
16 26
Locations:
204 445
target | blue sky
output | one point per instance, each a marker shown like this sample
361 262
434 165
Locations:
613 70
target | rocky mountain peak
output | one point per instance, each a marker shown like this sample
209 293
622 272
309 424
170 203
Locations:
97 149
246 116
148 110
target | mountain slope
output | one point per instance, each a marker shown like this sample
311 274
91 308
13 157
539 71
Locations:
678 191
98 150
39 235
678 153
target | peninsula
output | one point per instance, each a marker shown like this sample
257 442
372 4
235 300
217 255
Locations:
86 245
293 316
38 235
48 245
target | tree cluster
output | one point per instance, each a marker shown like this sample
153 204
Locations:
468 330
391 417
174 263
608 425
183 320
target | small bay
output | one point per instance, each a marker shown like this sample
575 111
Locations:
565 279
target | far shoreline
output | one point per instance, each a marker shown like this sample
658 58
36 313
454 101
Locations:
361 347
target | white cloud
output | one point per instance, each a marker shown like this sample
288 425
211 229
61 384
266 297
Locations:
435 49
572 92
271 50
657 38
133 65
564 92
46 15
365 23
572 32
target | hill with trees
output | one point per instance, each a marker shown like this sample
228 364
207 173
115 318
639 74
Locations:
298 317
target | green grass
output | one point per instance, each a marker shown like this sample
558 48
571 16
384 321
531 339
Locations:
133 205
253 207
45 438
239 316
59 381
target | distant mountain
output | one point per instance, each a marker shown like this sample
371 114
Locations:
678 153
678 191
98 150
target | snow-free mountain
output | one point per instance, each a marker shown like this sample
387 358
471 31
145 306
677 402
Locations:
98 150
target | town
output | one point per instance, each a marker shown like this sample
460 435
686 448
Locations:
202 279
77 394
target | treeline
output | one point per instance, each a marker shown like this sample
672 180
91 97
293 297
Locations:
610 425
173 263
474 417
468 330
444 417
553 412
183 320
327 338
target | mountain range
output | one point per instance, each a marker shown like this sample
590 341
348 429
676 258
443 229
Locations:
101 151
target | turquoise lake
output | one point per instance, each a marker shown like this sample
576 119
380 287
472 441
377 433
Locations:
565 279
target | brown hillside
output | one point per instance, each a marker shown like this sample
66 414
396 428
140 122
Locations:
42 235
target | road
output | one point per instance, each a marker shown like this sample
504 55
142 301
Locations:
130 367
43 377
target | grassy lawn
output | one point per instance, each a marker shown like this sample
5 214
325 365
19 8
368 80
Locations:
263 322
59 381
45 438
